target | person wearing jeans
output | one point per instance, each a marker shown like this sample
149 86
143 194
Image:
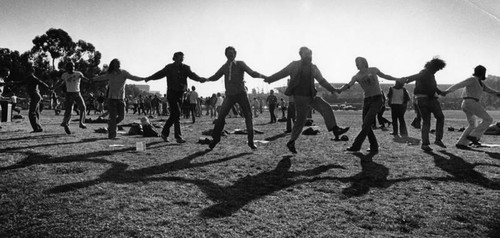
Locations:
474 87
372 102
116 78
398 98
301 86
426 92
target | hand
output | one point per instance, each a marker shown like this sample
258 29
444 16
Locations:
401 80
202 80
443 93
146 80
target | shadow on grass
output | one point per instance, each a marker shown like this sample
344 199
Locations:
9 149
275 137
32 137
406 140
493 155
252 187
372 175
463 171
118 173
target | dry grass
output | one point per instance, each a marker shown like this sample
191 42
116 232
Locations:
83 185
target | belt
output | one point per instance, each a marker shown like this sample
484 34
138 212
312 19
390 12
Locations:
475 99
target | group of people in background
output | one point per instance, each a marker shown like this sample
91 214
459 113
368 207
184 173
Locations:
301 99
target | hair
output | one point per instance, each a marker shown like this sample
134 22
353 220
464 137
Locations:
362 60
435 64
480 72
69 64
179 53
114 66
228 49
303 50
193 88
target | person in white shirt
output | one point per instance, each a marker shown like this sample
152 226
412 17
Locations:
474 87
73 79
116 78
398 98
193 102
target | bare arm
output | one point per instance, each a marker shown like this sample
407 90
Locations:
322 81
385 76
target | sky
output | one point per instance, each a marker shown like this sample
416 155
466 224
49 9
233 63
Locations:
396 36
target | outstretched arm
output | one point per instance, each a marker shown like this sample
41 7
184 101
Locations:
217 74
347 85
279 75
252 73
322 81
462 84
491 91
158 75
385 76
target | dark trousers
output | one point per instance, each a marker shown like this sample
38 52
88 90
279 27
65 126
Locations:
174 99
71 98
426 106
290 116
227 105
398 116
418 118
192 108
34 111
271 111
371 107
116 109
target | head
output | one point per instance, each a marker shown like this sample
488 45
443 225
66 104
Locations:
271 92
218 94
361 63
230 53
480 72
305 54
193 88
70 67
435 64
4 72
114 66
398 85
178 57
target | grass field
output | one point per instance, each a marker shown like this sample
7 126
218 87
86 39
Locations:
84 185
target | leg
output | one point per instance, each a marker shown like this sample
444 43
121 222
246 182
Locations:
438 114
371 108
247 113
326 111
394 116
467 107
425 113
227 104
81 107
486 121
113 114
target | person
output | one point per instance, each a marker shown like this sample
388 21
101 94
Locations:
367 77
255 106
380 115
474 87
283 108
233 72
193 101
290 115
32 83
176 74
72 79
398 98
13 100
213 102
116 79
426 92
4 75
155 104
271 101
302 74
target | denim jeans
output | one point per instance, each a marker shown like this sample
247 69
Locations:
227 105
34 112
426 106
398 117
371 107
174 99
116 109
71 97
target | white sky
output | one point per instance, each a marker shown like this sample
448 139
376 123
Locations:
397 36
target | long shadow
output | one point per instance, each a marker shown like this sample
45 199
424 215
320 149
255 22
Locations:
275 137
493 155
372 175
232 198
118 173
9 149
462 170
33 137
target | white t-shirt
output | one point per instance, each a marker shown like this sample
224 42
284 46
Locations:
72 81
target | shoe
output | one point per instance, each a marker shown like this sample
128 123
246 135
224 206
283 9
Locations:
213 143
252 146
440 144
180 140
337 131
473 139
83 126
352 149
291 147
66 129
462 147
426 148
288 131
372 151
164 137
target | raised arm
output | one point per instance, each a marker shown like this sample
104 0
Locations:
462 84
250 72
217 74
280 74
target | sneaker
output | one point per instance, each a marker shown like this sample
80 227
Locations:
66 129
337 131
440 144
426 148
180 140
462 147
164 137
352 149
83 126
291 147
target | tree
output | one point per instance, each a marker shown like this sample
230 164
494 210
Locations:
56 42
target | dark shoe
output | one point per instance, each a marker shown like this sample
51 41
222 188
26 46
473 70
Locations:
66 129
83 126
213 143
440 144
288 131
462 147
372 150
352 149
337 131
291 147
180 140
426 148
252 146
473 139
164 137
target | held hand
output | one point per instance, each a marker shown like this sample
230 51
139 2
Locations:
401 80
